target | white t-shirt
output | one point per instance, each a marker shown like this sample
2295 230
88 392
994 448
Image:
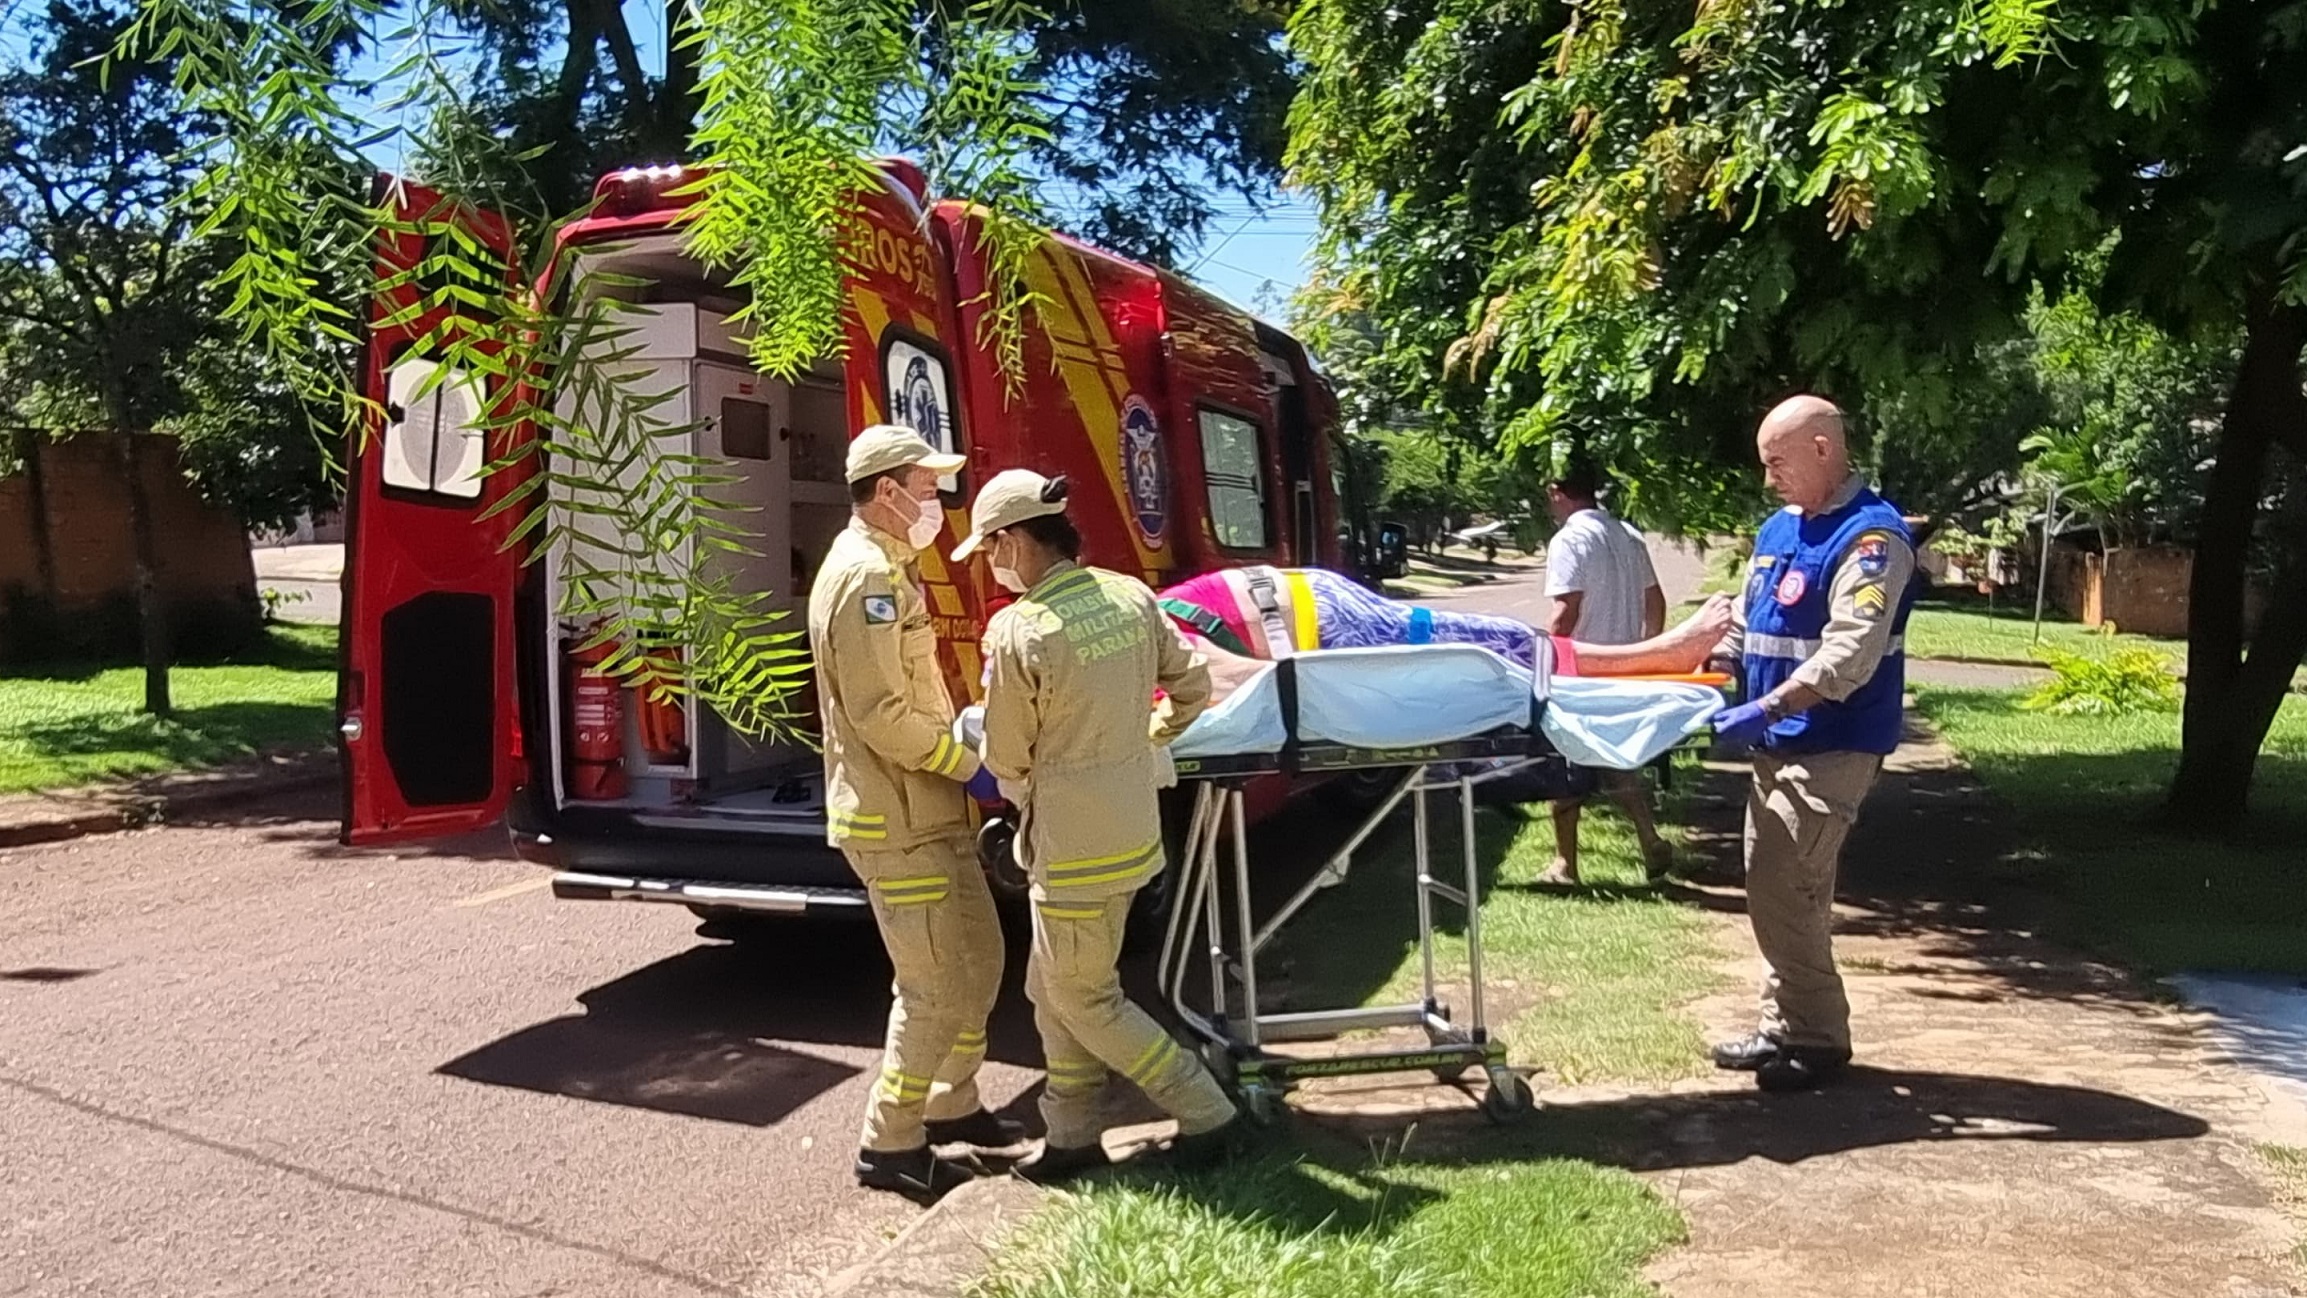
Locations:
1606 562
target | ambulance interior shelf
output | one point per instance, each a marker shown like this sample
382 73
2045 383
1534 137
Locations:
780 445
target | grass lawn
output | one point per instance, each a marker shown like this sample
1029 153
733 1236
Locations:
2085 786
1592 980
65 725
1344 1227
1943 628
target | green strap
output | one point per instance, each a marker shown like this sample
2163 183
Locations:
1208 623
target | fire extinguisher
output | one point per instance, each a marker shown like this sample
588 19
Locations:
596 723
658 712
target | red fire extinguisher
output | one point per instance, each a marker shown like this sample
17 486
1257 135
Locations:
596 723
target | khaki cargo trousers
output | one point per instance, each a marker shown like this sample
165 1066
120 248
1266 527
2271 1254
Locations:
1089 1029
937 920
1798 812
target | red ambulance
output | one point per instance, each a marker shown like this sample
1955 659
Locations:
1197 437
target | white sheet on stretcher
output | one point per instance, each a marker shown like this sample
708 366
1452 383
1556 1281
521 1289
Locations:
1413 695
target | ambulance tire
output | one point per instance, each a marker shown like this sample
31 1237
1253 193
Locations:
1358 792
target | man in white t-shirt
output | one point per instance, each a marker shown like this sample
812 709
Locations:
1605 592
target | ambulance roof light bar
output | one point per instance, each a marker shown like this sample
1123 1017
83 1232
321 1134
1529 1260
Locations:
641 189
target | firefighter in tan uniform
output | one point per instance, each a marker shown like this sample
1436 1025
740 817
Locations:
896 804
1818 641
1076 739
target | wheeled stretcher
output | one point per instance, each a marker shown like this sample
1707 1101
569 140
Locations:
1448 718
1445 717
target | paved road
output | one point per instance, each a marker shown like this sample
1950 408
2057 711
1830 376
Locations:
236 1059
306 576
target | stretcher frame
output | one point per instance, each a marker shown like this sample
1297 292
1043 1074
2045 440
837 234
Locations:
1235 1044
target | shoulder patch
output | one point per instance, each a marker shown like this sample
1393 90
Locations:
1871 601
880 609
1872 550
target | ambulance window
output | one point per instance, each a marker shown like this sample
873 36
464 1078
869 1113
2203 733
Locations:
744 428
1231 464
920 395
432 439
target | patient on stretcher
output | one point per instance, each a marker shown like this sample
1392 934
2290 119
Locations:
1232 616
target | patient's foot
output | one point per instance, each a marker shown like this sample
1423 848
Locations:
1561 874
1692 639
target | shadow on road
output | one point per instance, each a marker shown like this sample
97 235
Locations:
724 1031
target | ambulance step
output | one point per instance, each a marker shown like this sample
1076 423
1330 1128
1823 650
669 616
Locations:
756 898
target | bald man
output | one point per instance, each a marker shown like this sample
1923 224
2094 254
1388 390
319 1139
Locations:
1817 642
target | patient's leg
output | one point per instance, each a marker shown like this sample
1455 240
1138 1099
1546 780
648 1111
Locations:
1681 648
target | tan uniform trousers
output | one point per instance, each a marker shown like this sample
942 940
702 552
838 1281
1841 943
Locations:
1798 812
1088 1028
937 919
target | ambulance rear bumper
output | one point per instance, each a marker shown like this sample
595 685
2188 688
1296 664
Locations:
705 896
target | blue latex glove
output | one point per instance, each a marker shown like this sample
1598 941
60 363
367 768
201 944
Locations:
1742 726
983 787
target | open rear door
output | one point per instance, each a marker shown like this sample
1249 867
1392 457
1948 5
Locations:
428 700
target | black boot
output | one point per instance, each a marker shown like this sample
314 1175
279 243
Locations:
1746 1054
1052 1164
1800 1068
917 1174
1209 1148
980 1130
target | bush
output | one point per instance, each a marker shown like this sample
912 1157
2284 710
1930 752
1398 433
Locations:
2132 680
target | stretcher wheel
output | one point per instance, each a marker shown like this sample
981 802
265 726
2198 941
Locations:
1261 1104
1509 1095
1220 1062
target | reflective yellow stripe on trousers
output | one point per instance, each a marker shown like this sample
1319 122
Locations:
1105 869
916 891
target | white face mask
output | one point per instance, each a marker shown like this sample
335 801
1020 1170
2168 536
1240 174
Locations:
927 523
1005 576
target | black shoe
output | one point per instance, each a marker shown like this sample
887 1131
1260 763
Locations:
915 1173
1052 1164
980 1130
1746 1054
1800 1068
1209 1148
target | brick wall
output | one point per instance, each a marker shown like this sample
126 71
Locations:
82 513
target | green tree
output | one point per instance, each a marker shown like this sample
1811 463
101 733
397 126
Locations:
1154 108
97 279
1683 212
793 99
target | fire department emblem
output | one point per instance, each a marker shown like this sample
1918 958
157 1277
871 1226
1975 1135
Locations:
1143 474
1791 587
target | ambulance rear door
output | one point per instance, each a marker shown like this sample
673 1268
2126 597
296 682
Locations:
428 699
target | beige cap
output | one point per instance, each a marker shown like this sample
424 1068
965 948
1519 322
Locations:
1009 498
892 446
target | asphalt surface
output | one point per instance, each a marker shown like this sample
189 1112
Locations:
236 1059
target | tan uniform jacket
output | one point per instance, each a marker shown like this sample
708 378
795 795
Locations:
893 771
1071 726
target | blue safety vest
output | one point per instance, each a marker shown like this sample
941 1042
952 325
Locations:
1795 557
